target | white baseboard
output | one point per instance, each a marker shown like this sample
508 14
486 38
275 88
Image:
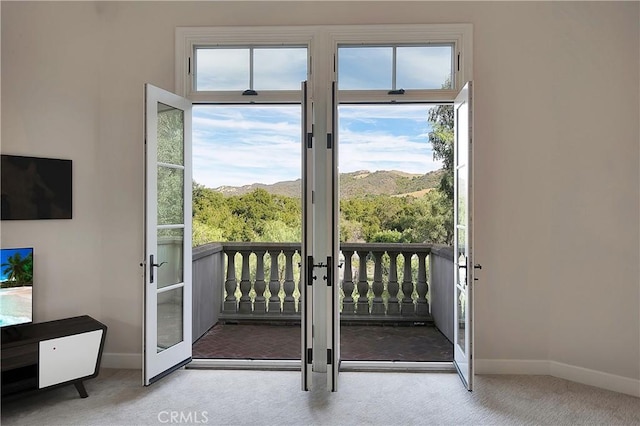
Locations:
512 366
558 369
119 360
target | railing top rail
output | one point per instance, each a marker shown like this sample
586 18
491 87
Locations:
446 252
427 248
388 247
241 246
206 250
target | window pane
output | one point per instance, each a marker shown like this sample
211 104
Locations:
365 68
170 318
170 196
423 67
279 69
170 135
170 257
222 69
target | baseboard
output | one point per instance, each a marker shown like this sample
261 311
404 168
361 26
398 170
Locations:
582 375
512 366
595 378
119 360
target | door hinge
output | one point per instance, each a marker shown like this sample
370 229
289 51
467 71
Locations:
329 356
329 140
329 271
310 276
310 140
309 355
189 66
458 61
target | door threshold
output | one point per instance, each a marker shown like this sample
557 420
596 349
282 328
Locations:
398 366
294 365
245 364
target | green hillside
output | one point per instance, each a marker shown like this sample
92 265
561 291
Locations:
355 184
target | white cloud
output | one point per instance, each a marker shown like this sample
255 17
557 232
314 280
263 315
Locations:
244 145
383 151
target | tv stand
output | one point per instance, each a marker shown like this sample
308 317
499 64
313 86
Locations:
51 354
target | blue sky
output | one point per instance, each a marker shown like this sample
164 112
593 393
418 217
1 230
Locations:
6 253
241 145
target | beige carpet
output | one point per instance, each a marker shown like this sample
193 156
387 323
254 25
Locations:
227 397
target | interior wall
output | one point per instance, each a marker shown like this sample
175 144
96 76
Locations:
556 159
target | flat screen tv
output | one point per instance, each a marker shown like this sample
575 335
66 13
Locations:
35 188
16 286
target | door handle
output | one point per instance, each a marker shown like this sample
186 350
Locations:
477 266
151 266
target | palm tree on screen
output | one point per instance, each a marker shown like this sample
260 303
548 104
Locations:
18 269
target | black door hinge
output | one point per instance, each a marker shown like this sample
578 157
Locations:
329 356
310 276
309 355
458 61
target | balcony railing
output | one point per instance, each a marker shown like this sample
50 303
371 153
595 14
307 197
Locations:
379 282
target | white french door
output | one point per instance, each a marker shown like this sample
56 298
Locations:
167 325
463 235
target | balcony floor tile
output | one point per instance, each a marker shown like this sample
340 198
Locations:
359 343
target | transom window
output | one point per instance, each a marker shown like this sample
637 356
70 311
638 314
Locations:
395 67
370 63
249 69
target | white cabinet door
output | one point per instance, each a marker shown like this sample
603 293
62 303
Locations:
68 358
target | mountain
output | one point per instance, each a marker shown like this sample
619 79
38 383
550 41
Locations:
354 184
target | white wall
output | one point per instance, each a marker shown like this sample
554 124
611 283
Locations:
557 162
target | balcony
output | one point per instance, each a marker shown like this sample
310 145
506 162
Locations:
380 284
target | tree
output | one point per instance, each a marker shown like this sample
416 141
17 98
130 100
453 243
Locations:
441 138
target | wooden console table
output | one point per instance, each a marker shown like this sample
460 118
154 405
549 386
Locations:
50 354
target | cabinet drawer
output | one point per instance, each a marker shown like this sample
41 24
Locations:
68 358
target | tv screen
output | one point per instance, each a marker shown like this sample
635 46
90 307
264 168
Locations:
16 286
35 188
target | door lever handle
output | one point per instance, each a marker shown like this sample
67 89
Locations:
477 266
151 266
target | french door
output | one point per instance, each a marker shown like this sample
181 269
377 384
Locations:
167 328
168 287
167 293
463 235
